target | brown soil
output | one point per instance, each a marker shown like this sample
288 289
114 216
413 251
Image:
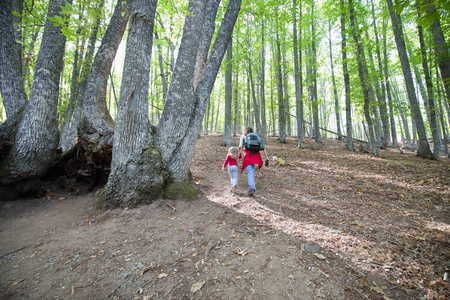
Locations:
382 225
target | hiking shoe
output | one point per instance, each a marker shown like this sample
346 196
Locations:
251 192
233 189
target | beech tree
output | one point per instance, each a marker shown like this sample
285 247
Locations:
156 161
11 81
33 134
424 148
96 128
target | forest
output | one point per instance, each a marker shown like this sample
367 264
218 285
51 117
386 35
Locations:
116 117
119 92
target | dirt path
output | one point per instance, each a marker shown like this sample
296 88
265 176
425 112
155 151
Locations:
381 225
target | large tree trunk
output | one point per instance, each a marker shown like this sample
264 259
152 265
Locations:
35 142
348 104
11 81
185 106
136 168
96 127
424 150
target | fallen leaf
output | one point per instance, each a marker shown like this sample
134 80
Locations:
197 286
320 256
162 275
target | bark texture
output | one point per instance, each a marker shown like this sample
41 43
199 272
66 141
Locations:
363 77
441 50
424 148
96 127
137 175
227 137
34 135
11 82
185 106
348 104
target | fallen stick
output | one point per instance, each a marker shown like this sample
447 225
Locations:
174 209
113 291
14 251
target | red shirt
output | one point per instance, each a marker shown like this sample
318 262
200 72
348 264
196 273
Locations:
251 158
231 161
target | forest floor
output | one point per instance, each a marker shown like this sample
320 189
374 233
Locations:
326 224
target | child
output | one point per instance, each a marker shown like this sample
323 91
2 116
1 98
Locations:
233 155
251 160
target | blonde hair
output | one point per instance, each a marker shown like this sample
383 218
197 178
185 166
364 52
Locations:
234 152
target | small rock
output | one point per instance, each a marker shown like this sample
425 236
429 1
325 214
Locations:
312 247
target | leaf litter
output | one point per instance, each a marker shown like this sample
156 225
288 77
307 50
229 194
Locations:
325 223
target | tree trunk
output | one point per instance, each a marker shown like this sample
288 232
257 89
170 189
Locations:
227 136
333 79
440 48
315 100
252 85
236 103
298 76
77 92
348 104
205 42
11 81
424 150
382 97
263 83
363 77
281 107
388 88
161 66
403 117
96 128
431 107
35 142
185 106
136 168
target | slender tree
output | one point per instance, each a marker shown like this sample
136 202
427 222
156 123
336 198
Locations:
281 107
388 86
442 53
363 78
333 79
348 105
263 82
227 137
424 150
314 98
298 75
431 107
